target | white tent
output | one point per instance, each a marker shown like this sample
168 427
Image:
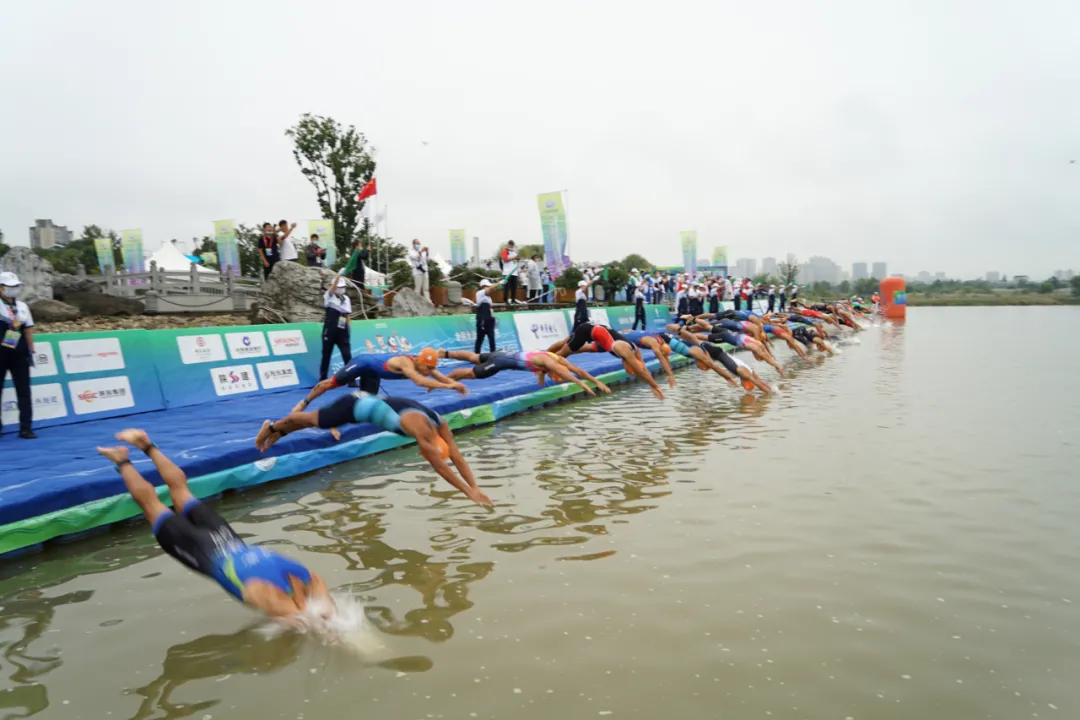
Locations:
169 259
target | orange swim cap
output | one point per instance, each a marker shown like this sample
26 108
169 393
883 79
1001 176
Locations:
701 365
428 357
665 348
748 385
444 449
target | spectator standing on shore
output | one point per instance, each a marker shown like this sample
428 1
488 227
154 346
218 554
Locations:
335 325
268 249
17 348
533 273
508 259
285 241
418 259
316 256
356 267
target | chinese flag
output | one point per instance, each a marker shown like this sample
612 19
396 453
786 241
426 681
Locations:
368 190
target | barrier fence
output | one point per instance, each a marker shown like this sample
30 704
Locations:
79 377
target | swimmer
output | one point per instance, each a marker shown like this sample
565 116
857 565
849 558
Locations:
371 370
732 365
810 336
394 414
696 353
610 341
740 340
542 363
782 332
660 348
199 538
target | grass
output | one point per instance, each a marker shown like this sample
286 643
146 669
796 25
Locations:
989 299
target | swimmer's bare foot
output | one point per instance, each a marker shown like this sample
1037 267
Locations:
135 437
116 454
336 433
263 436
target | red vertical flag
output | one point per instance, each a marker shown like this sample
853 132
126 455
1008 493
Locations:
368 190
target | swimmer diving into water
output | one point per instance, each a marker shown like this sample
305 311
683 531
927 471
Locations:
609 341
542 363
202 540
394 414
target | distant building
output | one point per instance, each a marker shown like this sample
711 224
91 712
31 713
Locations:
768 266
923 277
879 271
46 235
858 271
940 276
1021 279
746 267
1065 275
993 276
822 269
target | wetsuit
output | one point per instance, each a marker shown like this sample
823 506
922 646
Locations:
370 370
201 539
588 332
492 363
738 340
735 326
384 412
718 354
804 335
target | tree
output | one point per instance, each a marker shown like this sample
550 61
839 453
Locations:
614 278
569 279
527 251
866 287
1046 287
3 249
338 162
788 271
844 288
633 260
1075 283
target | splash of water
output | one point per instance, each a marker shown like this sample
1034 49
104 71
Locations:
338 621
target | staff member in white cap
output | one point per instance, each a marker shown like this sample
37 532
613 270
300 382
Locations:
581 303
17 348
335 325
485 321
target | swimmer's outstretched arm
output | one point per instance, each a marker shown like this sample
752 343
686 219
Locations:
563 375
637 368
321 387
431 452
437 381
582 373
658 351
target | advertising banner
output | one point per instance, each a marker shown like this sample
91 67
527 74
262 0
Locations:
539 330
689 250
325 230
131 243
84 376
458 254
103 248
227 250
553 226
719 256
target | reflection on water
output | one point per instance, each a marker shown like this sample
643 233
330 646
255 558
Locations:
878 540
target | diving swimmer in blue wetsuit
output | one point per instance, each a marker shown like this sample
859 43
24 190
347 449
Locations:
202 540
394 414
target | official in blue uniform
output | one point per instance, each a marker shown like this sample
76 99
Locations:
17 348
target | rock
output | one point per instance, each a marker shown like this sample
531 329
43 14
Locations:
294 293
36 273
139 322
100 304
453 292
64 284
409 303
53 311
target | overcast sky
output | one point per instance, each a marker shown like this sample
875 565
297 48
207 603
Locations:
931 135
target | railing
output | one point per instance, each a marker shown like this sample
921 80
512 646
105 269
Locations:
179 291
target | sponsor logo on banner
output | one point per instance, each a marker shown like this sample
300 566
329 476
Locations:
44 361
101 394
246 344
234 380
83 356
538 330
287 342
277 374
598 316
200 349
48 402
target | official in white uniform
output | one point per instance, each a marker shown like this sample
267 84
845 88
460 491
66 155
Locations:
17 348
418 259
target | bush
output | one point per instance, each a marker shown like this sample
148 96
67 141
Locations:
401 274
470 277
569 279
617 278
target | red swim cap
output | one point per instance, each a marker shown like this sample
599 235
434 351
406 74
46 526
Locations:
603 338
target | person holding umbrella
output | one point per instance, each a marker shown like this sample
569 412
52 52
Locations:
17 348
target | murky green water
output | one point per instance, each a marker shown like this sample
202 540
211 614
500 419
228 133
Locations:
896 536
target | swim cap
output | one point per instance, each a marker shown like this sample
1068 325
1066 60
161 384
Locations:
444 449
428 357
665 348
701 365
748 385
602 338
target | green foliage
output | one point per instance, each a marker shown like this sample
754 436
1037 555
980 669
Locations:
470 277
81 251
1075 283
527 251
844 288
338 162
247 244
435 274
401 275
1046 287
866 287
615 278
633 260
3 249
569 279
384 252
788 271
206 245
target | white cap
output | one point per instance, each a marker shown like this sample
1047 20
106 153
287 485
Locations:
9 279
634 270
341 282
582 283
485 283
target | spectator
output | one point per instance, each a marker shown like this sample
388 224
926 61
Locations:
508 263
285 241
418 259
533 273
545 281
357 265
316 256
489 267
17 348
268 249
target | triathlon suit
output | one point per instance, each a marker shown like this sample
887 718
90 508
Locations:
744 315
201 539
386 413
803 319
727 315
735 326
803 335
492 363
370 370
718 355
676 345
587 332
739 340
777 330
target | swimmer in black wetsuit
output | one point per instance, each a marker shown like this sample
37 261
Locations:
609 341
809 336
746 374
542 363
202 540
394 414
371 370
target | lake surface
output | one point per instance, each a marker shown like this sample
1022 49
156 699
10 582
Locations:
894 536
